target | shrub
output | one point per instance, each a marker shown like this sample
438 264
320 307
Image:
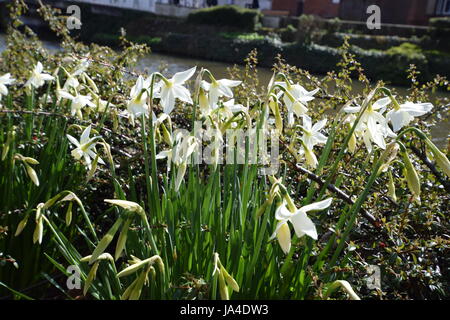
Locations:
232 16
440 22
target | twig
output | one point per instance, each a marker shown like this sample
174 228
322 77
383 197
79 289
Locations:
340 194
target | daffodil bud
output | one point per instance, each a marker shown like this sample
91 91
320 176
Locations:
276 112
388 156
230 280
223 289
32 174
441 159
352 143
69 214
127 292
127 205
39 230
122 239
284 238
21 225
261 209
166 135
105 241
91 276
412 178
391 187
93 168
311 159
9 140
180 174
137 289
203 103
30 160
138 265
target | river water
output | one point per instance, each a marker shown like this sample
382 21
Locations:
172 64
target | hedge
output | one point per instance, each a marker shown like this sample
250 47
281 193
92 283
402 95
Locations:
228 15
368 41
390 65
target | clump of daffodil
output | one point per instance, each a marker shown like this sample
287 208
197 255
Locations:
39 220
28 161
133 292
93 272
225 279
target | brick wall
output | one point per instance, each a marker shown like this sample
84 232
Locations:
414 12
286 5
322 8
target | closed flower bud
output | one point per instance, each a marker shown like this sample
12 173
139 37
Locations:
32 174
91 276
412 178
440 158
122 239
352 143
230 280
21 226
223 289
391 187
69 214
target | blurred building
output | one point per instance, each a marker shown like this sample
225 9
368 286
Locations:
392 11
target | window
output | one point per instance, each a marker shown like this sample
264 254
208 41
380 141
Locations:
443 7
336 1
446 9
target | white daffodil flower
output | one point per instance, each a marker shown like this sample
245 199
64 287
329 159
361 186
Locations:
311 133
171 89
79 101
38 78
85 147
296 100
137 105
5 80
300 221
372 115
230 107
311 159
219 88
377 135
372 126
403 114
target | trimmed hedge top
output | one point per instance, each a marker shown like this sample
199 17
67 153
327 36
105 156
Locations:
228 15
